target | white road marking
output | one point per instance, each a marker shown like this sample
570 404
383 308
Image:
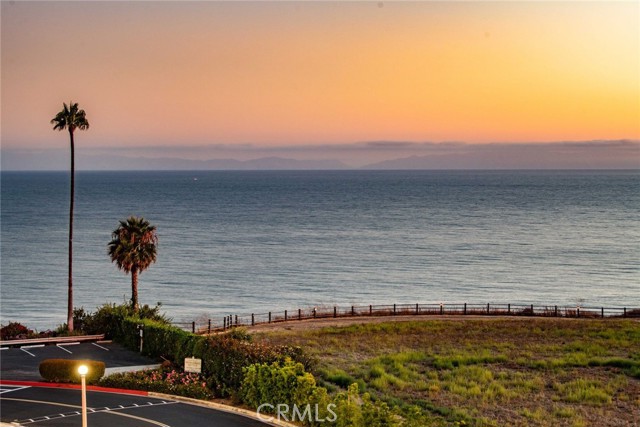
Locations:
30 354
62 348
8 389
104 409
99 346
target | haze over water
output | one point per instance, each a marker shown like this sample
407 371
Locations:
242 242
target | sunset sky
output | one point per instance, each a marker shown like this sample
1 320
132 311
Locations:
218 78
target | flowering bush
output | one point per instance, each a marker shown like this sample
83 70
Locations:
163 380
14 330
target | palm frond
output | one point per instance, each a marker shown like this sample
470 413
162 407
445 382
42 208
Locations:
133 245
70 118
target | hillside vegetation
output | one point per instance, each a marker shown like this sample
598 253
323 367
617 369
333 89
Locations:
484 372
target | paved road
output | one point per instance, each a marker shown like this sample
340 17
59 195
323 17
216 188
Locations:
46 406
22 363
40 406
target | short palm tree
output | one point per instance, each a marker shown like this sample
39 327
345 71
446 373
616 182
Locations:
133 248
70 118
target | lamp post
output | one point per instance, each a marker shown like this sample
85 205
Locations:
82 370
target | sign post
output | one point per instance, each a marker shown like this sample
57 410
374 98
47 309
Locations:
191 364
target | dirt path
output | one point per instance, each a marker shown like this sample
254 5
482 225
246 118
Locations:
312 324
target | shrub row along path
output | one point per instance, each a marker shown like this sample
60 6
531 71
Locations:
29 403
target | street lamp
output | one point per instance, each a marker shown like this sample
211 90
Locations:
82 370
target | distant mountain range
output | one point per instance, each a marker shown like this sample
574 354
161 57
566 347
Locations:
24 161
618 154
166 163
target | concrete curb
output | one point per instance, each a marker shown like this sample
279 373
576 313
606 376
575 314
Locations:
221 407
122 369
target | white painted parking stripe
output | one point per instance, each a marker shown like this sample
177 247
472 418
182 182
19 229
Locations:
33 346
99 346
62 348
31 354
4 348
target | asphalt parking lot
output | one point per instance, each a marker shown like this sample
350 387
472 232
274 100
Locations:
27 403
22 363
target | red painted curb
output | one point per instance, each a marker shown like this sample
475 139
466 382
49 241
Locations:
74 386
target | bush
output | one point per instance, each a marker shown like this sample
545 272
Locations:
65 370
109 319
289 384
223 356
165 380
14 330
277 383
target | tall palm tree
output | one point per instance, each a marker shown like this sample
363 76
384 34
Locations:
133 248
70 118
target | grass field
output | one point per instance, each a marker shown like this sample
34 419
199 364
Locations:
484 372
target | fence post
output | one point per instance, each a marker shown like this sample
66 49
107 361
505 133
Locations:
236 320
577 311
285 315
602 312
224 323
209 327
465 308
299 314
314 312
394 309
353 313
417 309
335 311
269 317
532 312
253 320
193 327
624 312
556 311
487 308
370 309
508 308
441 308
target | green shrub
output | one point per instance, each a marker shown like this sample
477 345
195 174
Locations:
65 370
224 359
277 383
288 383
109 319
338 377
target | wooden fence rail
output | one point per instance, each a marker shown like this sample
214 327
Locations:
488 309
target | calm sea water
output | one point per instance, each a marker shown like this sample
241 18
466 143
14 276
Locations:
242 242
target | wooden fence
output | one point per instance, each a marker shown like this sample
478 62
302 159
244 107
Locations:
234 320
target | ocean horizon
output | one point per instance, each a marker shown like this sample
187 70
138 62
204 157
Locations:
236 242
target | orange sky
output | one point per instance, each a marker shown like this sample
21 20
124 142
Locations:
295 73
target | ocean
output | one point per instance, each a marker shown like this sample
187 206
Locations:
258 241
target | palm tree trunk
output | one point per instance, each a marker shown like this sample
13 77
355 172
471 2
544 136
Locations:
134 289
70 291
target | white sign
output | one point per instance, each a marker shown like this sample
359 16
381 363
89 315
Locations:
191 364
